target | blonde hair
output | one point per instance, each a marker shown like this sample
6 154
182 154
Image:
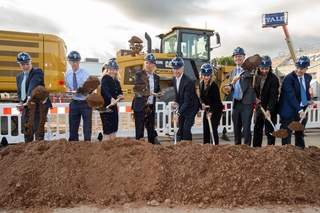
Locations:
106 72
212 78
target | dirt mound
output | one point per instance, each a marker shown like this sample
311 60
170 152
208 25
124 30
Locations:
61 174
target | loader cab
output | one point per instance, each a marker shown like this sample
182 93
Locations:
192 44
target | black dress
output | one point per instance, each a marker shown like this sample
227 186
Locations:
110 88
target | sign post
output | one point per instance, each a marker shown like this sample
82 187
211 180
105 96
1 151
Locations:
279 19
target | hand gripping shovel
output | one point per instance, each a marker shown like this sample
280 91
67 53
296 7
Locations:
280 133
107 108
210 127
298 126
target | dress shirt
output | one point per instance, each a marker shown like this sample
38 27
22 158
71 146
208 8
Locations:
82 75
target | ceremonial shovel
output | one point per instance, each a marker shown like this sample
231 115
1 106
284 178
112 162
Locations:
248 65
298 126
280 133
210 127
107 108
175 110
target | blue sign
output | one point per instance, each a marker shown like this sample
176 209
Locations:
275 19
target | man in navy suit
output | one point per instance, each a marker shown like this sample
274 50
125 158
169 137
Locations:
143 104
186 99
27 80
294 99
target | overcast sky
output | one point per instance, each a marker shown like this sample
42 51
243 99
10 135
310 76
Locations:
99 28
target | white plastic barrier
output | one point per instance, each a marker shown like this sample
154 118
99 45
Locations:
57 125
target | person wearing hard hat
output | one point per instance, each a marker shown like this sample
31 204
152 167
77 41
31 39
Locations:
27 81
266 87
294 99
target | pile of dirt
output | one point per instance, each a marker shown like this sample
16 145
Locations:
61 174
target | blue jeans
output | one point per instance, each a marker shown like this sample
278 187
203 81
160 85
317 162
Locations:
78 109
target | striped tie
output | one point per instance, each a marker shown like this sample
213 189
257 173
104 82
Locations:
23 87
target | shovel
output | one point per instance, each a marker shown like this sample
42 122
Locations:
107 108
88 86
210 127
298 126
175 107
248 65
280 133
143 90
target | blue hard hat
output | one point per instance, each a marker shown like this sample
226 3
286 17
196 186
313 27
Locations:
177 63
266 62
74 56
150 57
206 69
112 64
238 51
23 57
303 62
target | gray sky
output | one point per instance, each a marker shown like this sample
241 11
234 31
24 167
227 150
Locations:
99 28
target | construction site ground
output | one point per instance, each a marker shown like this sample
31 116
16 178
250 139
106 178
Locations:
129 176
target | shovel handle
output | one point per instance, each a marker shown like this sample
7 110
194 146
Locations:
211 130
264 112
305 111
238 76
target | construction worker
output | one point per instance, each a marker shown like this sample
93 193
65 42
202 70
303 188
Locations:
78 107
27 81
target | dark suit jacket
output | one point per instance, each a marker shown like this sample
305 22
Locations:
290 97
269 93
140 101
246 79
34 79
187 98
211 97
110 88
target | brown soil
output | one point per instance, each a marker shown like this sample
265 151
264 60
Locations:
95 100
39 94
51 174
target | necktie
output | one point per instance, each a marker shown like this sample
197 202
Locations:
23 87
237 86
303 94
75 84
178 84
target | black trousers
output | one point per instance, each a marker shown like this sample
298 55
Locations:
258 129
215 120
298 135
145 119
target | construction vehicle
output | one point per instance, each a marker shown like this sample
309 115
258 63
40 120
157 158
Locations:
47 51
194 45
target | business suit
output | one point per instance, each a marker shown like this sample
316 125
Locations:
290 105
34 79
144 112
243 109
211 96
269 101
189 105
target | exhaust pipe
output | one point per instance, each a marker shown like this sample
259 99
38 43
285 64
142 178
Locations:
146 35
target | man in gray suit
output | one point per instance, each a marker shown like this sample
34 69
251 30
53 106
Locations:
243 98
